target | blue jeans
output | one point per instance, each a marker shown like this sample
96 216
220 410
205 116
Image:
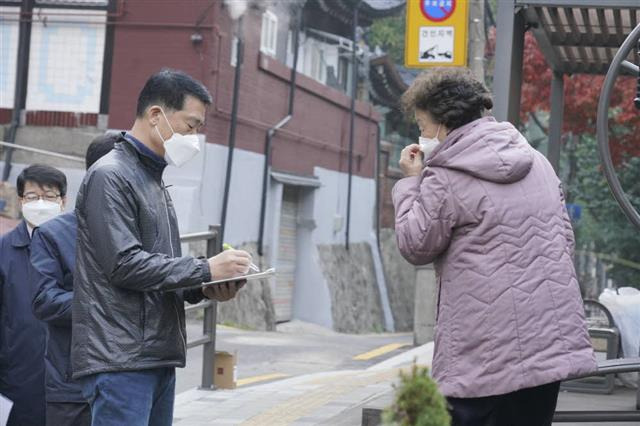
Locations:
132 398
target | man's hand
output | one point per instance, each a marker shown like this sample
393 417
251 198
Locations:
411 160
223 292
229 264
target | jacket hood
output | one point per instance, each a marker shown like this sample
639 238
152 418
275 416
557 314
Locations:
486 149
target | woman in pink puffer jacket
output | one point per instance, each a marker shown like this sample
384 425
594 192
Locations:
488 210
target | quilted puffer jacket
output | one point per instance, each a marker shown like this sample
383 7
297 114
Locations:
488 210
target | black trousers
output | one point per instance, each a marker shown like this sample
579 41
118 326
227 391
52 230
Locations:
68 414
526 407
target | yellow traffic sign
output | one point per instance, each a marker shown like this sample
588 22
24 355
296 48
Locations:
436 33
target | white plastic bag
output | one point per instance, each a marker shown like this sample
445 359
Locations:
624 305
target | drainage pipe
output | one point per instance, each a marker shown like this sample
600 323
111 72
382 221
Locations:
272 131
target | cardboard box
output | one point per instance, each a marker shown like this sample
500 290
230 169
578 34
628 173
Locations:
225 370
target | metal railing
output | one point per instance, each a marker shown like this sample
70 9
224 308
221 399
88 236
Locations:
372 416
612 366
11 146
208 338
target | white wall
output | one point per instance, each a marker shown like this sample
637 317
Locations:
331 208
197 192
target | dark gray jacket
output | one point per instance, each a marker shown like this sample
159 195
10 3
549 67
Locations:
128 256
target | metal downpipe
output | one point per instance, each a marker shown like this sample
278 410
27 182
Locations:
232 130
354 79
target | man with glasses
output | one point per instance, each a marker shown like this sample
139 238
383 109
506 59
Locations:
42 193
53 258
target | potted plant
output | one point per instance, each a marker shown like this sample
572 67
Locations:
417 401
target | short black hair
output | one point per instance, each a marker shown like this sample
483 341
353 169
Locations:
169 88
42 175
99 146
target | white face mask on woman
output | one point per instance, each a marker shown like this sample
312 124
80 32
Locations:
38 212
179 149
427 145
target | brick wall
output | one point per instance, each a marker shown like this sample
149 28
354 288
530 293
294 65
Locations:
317 135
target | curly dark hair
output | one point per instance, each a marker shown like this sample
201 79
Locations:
453 96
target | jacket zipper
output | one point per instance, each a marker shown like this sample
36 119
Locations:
183 338
166 209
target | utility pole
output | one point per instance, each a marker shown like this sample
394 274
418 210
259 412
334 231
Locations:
477 38
20 90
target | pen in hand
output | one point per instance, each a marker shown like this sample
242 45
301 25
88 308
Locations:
253 266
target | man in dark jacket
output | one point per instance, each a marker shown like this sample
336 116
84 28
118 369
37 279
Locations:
53 259
128 323
42 190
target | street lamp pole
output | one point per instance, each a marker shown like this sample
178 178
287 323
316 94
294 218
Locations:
236 14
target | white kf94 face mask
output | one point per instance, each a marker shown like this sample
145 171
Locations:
427 145
179 148
38 212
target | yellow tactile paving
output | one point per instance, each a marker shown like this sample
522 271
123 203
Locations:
379 351
257 379
303 405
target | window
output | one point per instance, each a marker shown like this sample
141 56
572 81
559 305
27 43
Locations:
318 64
325 57
343 72
289 58
9 33
65 60
269 34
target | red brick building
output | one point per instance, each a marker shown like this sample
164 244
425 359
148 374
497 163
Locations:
88 59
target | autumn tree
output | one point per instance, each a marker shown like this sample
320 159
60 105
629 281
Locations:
603 227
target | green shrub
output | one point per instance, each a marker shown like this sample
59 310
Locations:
417 401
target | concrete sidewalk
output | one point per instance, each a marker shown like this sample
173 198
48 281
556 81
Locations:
336 398
305 400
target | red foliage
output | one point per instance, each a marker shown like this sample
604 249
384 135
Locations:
581 94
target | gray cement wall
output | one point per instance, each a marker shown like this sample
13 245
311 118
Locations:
355 299
253 305
426 305
251 308
63 140
401 281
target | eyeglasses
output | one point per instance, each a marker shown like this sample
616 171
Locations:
48 196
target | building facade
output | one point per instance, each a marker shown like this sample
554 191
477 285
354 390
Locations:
88 59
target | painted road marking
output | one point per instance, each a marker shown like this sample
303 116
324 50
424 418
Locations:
379 351
258 379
